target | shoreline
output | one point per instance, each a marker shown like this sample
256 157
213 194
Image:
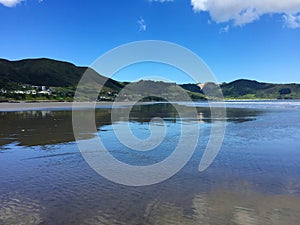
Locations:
41 105
28 106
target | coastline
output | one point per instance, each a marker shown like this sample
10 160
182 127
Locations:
40 105
27 106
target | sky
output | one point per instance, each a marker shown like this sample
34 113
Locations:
257 39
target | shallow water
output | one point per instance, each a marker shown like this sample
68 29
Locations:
255 178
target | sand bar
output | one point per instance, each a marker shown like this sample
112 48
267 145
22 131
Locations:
27 106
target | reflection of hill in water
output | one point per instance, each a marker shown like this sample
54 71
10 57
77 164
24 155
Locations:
33 128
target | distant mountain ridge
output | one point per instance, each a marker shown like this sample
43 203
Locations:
54 73
249 89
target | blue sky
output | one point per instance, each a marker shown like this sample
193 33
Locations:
236 39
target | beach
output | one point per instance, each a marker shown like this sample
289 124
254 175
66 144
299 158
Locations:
25 106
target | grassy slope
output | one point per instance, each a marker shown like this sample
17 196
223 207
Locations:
45 72
247 89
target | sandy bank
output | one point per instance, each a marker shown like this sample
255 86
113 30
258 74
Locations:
29 106
26 106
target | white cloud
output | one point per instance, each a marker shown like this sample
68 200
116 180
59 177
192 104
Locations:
142 24
10 3
224 29
292 21
242 11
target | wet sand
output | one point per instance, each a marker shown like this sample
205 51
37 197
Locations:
227 207
28 106
25 106
216 207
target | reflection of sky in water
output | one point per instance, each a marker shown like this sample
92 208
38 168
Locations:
142 131
254 179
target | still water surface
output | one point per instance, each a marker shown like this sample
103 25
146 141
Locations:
255 179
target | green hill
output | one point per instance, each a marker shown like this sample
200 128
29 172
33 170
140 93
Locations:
247 89
44 72
251 89
63 77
